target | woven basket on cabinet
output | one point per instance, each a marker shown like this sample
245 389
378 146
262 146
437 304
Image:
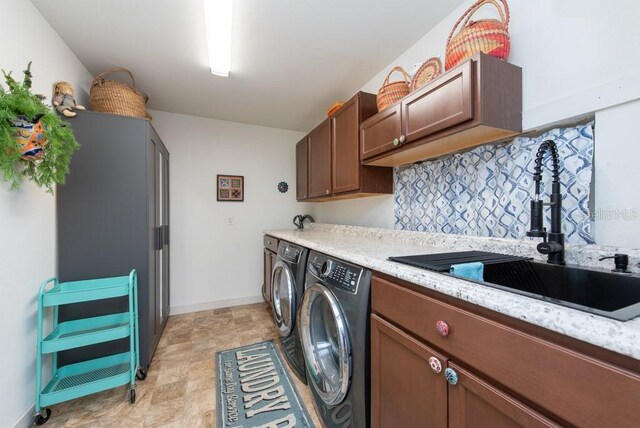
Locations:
112 96
391 93
489 36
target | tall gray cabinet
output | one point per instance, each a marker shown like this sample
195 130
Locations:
113 216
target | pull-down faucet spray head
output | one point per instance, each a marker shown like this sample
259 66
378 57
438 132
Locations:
554 247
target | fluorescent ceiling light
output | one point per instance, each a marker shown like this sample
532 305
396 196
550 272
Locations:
218 15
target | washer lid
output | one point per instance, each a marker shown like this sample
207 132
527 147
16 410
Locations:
283 298
325 342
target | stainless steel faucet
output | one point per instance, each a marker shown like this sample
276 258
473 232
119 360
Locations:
552 242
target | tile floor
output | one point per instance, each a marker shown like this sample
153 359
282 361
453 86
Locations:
180 387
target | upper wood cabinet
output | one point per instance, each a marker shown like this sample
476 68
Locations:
302 170
342 176
380 133
440 106
320 160
477 102
345 157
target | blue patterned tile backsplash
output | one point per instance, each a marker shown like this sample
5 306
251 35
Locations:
486 191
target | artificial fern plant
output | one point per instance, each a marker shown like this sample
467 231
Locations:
53 166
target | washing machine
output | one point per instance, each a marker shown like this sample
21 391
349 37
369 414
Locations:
288 279
334 328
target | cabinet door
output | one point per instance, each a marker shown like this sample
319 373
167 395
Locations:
345 147
476 403
165 236
274 258
302 169
162 235
381 133
405 390
266 273
444 103
320 160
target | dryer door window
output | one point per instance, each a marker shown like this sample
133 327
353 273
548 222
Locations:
325 342
284 298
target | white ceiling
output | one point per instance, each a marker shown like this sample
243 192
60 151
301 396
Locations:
291 59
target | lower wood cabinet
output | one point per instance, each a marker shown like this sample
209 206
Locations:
508 373
476 403
269 256
409 388
405 391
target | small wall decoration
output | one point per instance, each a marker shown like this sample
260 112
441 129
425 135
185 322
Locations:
230 188
283 187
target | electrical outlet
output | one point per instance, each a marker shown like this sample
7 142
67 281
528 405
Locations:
230 221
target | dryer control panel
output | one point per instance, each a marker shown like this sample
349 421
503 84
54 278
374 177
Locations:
336 273
290 252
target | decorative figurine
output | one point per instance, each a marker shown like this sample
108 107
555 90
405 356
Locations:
63 99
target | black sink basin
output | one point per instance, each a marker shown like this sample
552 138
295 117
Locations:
611 295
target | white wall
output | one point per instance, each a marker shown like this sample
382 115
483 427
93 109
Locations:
374 211
617 202
27 217
576 61
213 263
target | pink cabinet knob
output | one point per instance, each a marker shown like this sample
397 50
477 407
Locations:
435 364
443 328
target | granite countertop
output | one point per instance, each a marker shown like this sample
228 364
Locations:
370 248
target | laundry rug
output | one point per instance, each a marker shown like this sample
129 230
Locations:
254 389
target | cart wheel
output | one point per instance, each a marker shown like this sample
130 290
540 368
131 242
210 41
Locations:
141 374
41 420
132 396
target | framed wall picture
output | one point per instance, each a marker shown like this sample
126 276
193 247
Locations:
230 188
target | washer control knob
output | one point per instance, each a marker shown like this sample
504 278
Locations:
325 271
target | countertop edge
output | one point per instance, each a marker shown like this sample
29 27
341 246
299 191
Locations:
617 336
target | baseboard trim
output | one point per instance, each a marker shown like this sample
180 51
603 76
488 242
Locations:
216 304
26 420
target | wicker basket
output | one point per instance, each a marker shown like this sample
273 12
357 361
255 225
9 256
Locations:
428 71
112 96
488 35
391 93
334 107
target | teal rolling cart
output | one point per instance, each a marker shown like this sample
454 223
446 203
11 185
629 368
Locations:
88 377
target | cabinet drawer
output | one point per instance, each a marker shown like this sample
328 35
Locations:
378 133
446 102
271 243
575 387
